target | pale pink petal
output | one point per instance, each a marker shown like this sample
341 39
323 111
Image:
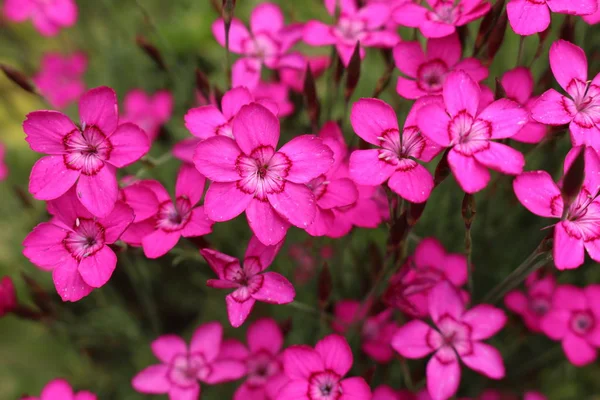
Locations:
98 107
309 158
18 10
215 158
501 158
366 168
567 250
568 62
265 223
335 353
485 321
57 389
238 311
184 393
206 340
159 242
411 339
265 334
338 193
225 371
97 268
518 84
205 121
190 183
167 347
444 299
294 390
383 39
50 178
275 289
442 378
43 246
98 193
266 17
408 57
255 126
433 121
46 130
461 93
410 14
469 173
550 109
152 380
578 351
370 118
486 360
413 183
300 361
141 199
556 324
538 193
198 225
238 34
246 72
447 49
316 33
68 282
355 388
526 17
409 89
506 117
233 101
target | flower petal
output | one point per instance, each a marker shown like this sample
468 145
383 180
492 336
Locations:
335 353
207 340
159 242
265 334
578 351
501 158
266 17
50 178
408 57
485 321
433 121
233 101
442 378
370 118
238 34
215 158
129 144
152 380
225 371
538 193
45 131
338 193
411 339
255 126
98 193
190 183
166 347
309 158
198 225
296 203
469 173
550 109
275 289
97 268
265 254
355 388
225 201
204 122
316 33
461 93
68 282
413 183
116 222
486 360
366 168
568 62
506 116
518 84
527 18
444 299
98 107
43 246
300 361
447 49
567 250
57 389
265 223
238 311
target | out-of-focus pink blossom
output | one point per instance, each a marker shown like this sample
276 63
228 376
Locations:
275 92
3 167
410 286
182 367
439 18
294 77
458 336
305 262
427 71
148 112
86 155
581 107
593 18
60 78
74 245
527 17
470 132
249 280
47 16
318 374
8 296
364 25
59 389
249 175
535 303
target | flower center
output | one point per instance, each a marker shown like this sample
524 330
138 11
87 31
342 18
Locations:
86 150
318 186
86 239
582 322
349 30
446 11
324 386
261 367
173 217
431 75
539 305
263 172
469 135
185 370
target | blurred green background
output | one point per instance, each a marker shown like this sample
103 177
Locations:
100 342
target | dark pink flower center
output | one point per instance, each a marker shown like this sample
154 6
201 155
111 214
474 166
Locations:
86 239
262 46
446 11
263 172
247 277
349 30
539 305
582 322
324 386
455 336
185 370
261 366
396 148
173 217
583 217
86 150
318 186
585 104
431 75
469 135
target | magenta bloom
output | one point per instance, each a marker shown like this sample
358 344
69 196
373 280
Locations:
182 367
3 167
47 16
593 18
427 72
364 25
469 132
581 108
440 17
430 264
8 296
167 220
318 374
249 175
535 303
60 78
518 86
370 210
458 335
74 245
148 112
527 17
294 77
276 93
267 43
249 280
88 155
59 389
375 122
579 226
574 319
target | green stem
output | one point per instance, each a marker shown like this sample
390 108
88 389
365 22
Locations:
311 310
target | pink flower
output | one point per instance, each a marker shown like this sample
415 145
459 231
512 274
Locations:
469 132
294 77
167 220
376 123
60 78
527 17
574 320
593 18
384 392
533 305
88 155
579 225
182 367
249 280
317 374
441 17
410 287
581 108
428 70
364 25
249 175
267 43
8 297
518 86
276 93
74 245
59 389
47 16
148 112
3 167
458 335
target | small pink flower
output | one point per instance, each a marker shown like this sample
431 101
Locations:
458 335
8 296
267 43
469 132
47 16
535 303
294 77
249 280
527 17
318 374
88 155
410 286
74 245
148 112
59 389
60 78
384 392
364 25
581 108
428 71
182 367
248 174
277 93
574 320
394 159
441 17
579 226
160 231
3 167
593 18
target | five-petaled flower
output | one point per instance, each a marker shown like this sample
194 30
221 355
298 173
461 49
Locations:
60 78
59 389
535 303
527 17
149 112
47 16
